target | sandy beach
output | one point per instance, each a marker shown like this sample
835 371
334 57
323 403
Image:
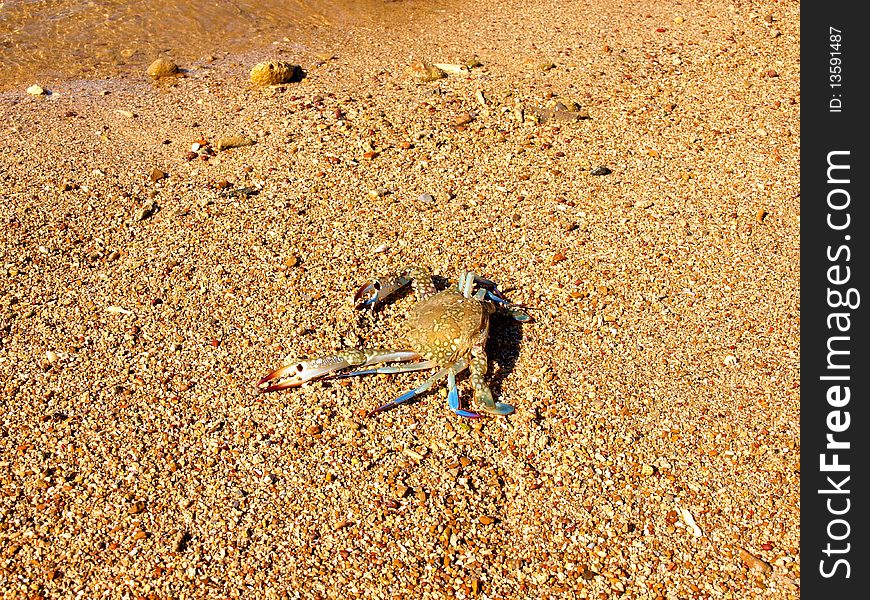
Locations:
628 171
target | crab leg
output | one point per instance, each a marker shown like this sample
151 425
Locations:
427 385
466 282
489 291
453 392
296 373
482 393
512 310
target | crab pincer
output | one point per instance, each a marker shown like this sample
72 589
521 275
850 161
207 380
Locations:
376 291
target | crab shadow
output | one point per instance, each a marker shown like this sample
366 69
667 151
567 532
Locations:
502 350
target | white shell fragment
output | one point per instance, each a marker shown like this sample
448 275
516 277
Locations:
689 520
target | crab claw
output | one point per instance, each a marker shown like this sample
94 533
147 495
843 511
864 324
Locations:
366 292
488 290
297 373
377 291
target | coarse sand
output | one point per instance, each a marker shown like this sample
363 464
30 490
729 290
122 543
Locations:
628 170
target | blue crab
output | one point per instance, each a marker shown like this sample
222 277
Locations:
446 330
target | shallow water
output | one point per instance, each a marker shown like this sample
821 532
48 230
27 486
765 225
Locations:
44 39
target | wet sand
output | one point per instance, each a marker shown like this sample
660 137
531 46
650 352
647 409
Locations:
653 231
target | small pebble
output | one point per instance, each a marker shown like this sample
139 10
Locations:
463 119
35 90
601 171
146 210
753 562
426 198
179 543
411 454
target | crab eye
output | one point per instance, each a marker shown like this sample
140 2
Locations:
300 368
